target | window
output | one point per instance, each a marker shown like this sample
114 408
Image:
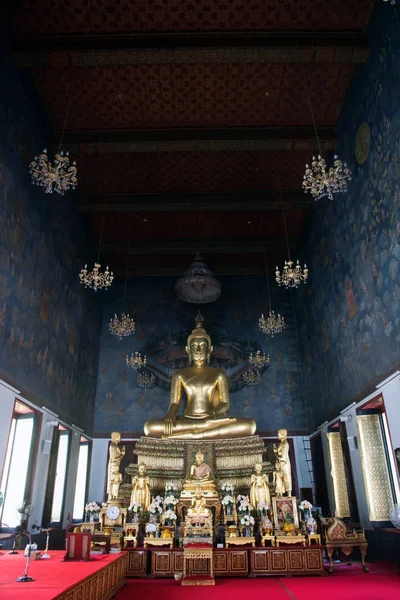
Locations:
16 482
81 480
60 476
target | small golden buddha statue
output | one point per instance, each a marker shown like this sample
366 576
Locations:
114 477
141 488
259 490
282 455
207 406
198 505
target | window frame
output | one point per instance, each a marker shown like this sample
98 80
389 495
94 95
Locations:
89 444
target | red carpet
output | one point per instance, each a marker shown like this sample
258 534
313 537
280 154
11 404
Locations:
346 583
51 576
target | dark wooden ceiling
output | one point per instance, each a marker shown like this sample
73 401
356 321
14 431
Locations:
190 120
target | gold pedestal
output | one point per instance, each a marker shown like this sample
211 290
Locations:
240 541
314 537
157 542
265 539
290 539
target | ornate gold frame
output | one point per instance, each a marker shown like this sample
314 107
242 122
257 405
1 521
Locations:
277 502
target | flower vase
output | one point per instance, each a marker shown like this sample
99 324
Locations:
247 531
153 519
229 510
91 517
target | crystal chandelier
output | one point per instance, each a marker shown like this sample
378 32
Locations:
259 359
60 176
95 279
251 377
320 181
125 325
198 285
272 324
146 379
136 361
122 327
291 276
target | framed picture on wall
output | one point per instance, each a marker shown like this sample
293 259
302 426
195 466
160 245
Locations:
281 506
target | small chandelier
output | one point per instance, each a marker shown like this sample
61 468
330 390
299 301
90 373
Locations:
259 360
198 285
272 324
60 176
320 182
146 380
95 279
291 276
122 327
136 361
251 377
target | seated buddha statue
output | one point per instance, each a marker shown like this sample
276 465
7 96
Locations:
200 475
207 398
198 505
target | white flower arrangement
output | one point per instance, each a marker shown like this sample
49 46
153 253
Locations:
155 508
170 515
171 487
170 500
305 505
92 507
159 499
136 507
263 507
244 504
247 520
227 500
227 487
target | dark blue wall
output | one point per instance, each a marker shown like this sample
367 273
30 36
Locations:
163 326
49 325
350 311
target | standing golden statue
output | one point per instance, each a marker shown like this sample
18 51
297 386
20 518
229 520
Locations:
282 455
114 478
207 392
141 488
259 490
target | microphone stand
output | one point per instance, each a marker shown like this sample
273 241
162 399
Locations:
13 551
46 550
25 577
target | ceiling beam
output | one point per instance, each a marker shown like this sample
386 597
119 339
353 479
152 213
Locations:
196 139
190 246
195 47
268 200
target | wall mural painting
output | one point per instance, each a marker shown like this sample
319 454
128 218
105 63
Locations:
163 324
50 325
357 293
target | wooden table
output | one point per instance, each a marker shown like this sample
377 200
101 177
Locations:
191 553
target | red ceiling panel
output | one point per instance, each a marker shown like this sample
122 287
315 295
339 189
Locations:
53 17
199 95
191 172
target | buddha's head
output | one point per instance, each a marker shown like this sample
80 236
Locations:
116 437
258 467
142 469
198 493
199 345
199 457
278 466
282 434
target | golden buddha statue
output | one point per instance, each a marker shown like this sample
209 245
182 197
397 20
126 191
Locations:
282 455
141 488
114 477
198 505
207 391
259 490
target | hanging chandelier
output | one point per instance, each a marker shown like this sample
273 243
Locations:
125 325
58 177
95 279
122 327
259 359
198 285
320 181
136 361
146 380
272 324
291 276
251 377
